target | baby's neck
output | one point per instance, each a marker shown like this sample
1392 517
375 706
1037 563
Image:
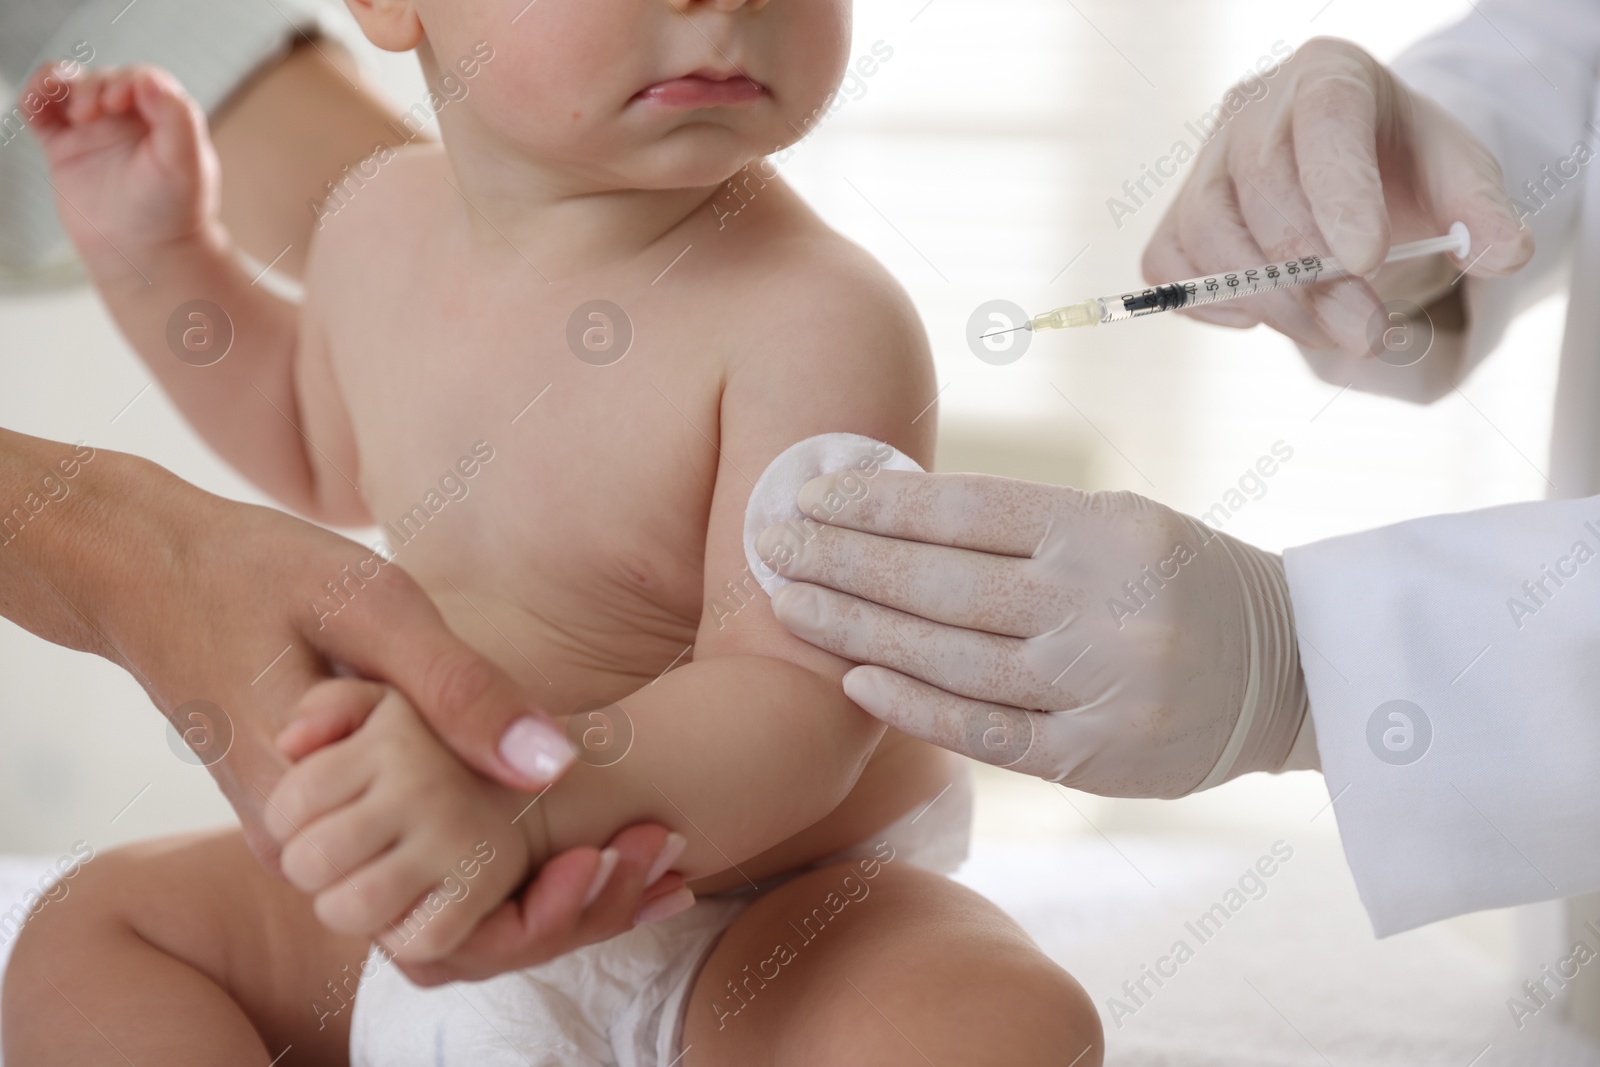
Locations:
564 222
564 225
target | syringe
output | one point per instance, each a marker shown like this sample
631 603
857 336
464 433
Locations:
1213 288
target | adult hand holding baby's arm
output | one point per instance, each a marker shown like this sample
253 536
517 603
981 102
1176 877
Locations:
402 844
201 598
398 840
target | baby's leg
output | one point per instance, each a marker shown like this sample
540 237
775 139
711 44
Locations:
905 968
176 952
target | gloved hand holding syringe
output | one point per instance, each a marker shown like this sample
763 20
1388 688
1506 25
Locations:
1213 288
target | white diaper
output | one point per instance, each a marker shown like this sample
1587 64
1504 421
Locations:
620 1003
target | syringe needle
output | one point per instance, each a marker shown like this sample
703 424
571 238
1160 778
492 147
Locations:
1014 329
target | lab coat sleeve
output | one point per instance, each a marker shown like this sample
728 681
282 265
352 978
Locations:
1520 74
1453 667
212 46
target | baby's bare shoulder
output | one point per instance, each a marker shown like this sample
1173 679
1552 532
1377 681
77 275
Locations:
815 320
794 277
357 220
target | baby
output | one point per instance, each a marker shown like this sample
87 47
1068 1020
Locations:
552 360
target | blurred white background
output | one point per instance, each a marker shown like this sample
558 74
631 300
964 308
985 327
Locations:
977 163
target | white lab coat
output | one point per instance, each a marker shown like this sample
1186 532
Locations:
1489 622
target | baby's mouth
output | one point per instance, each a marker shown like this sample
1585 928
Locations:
703 88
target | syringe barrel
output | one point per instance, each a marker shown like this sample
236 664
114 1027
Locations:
1213 288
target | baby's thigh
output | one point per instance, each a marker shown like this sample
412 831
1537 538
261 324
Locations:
905 968
183 949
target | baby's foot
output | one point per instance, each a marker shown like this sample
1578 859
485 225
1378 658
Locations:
396 838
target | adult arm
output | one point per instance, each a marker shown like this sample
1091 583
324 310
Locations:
201 598
1448 663
1452 668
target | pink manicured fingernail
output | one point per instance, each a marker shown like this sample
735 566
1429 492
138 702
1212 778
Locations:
602 875
674 903
536 749
670 852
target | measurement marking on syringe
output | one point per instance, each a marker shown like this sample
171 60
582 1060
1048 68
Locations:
1230 285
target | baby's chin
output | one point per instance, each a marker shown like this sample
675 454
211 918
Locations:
690 157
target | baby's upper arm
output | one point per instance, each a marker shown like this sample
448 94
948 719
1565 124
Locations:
331 454
839 349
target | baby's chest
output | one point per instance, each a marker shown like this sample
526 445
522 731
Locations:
603 458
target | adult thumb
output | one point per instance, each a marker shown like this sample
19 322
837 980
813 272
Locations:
1463 183
393 633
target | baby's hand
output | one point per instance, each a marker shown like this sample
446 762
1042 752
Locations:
398 840
130 158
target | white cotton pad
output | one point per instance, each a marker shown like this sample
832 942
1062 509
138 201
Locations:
773 499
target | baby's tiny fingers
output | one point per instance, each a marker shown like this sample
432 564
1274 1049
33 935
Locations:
330 711
83 102
347 840
392 900
322 782
51 88
117 98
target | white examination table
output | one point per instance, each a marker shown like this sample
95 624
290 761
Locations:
1294 979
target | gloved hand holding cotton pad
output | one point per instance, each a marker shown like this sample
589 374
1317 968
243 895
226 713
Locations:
773 500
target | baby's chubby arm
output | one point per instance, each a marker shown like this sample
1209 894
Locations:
754 740
137 185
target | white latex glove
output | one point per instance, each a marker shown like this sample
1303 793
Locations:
1338 157
1006 621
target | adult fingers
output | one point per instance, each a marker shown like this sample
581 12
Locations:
1462 181
393 632
552 917
1268 173
965 662
1215 231
1339 93
997 734
957 586
1166 260
976 511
